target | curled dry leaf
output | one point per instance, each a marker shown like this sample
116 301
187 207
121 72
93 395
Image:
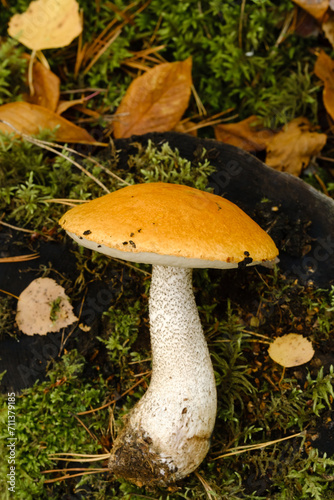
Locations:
31 118
155 101
291 350
317 8
47 24
46 86
247 134
43 307
324 69
290 149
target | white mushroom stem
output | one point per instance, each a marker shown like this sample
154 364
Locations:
175 418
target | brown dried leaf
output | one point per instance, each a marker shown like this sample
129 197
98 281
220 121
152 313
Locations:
46 86
155 101
317 8
65 105
35 314
47 24
247 134
290 149
31 118
328 27
291 350
324 69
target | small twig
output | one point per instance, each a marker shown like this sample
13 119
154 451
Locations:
8 293
205 485
63 454
30 74
68 457
322 184
285 28
102 51
199 104
257 335
63 341
114 400
16 228
251 447
71 150
241 21
85 427
69 476
20 258
325 158
64 201
131 266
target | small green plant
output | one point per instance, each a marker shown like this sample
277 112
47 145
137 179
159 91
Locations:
13 68
166 165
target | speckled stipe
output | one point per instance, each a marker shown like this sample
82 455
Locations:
172 424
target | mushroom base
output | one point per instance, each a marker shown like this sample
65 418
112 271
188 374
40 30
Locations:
134 459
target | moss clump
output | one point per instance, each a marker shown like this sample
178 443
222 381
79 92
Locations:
239 60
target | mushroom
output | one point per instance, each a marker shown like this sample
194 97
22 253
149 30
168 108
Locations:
175 228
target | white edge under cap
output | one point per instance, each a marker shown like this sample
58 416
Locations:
165 260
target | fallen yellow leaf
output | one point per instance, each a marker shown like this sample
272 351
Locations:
46 86
324 69
247 134
290 149
43 307
47 24
317 8
291 350
31 118
155 101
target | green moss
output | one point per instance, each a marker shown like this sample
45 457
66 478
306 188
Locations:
45 423
13 68
237 62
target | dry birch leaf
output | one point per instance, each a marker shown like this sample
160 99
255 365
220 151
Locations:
155 101
324 69
291 350
317 8
31 118
247 134
47 24
43 307
290 149
46 87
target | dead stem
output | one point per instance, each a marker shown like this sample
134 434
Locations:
16 228
20 258
205 485
251 447
69 457
71 150
8 293
114 400
69 476
241 22
64 201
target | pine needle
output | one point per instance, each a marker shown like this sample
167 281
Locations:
251 447
19 258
